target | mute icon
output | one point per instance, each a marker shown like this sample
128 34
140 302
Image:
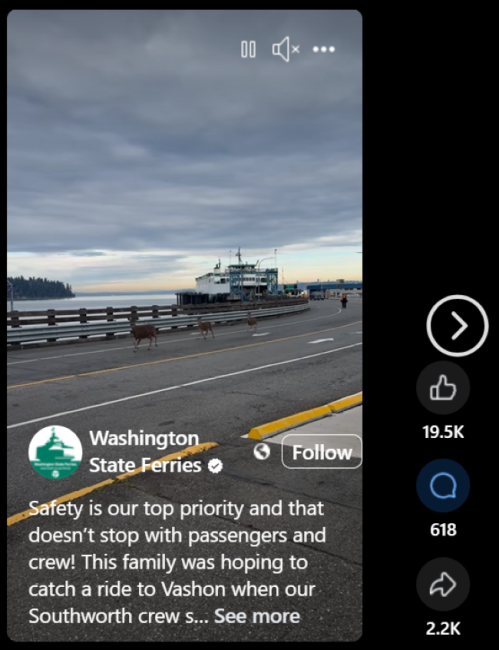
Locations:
284 44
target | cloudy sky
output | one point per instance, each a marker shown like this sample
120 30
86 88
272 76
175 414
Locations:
142 147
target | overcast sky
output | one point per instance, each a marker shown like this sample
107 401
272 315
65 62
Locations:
142 147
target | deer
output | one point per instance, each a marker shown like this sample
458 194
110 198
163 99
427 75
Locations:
204 328
252 322
143 332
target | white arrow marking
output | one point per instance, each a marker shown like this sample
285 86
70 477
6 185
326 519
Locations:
462 328
321 340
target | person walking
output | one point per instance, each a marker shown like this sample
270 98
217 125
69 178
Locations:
344 300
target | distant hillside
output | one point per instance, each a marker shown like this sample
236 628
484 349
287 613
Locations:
39 288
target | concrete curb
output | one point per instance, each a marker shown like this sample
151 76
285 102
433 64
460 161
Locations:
293 421
345 402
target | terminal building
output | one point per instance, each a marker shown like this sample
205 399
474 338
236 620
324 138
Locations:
332 289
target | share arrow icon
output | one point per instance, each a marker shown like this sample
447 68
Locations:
445 584
462 328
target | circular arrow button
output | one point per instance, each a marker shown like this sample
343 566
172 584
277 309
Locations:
443 584
457 326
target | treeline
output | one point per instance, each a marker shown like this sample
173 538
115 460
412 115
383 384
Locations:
39 289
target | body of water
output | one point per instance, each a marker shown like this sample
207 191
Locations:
94 302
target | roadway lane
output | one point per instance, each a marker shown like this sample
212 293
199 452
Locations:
332 613
218 390
38 364
241 381
83 381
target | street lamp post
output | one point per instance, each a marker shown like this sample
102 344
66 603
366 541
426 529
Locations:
10 289
258 274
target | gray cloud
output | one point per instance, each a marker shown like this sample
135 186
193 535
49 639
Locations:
87 253
146 131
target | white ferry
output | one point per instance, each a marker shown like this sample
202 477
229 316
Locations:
239 280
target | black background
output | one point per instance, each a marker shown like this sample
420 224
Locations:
427 233
397 540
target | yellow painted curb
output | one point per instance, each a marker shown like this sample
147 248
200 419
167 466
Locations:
184 453
351 400
257 433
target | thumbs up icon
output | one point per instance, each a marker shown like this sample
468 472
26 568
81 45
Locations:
443 391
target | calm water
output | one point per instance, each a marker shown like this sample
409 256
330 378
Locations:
93 302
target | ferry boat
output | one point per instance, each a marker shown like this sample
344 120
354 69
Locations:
53 450
240 281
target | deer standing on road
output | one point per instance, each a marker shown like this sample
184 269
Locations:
252 322
204 328
143 332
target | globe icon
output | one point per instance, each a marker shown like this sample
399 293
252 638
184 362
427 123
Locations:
262 451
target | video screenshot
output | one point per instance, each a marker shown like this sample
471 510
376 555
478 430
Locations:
184 326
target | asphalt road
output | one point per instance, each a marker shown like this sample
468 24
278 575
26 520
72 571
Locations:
216 389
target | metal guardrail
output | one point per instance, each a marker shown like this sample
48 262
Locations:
19 335
109 314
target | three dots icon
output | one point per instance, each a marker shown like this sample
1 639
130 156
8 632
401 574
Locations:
323 49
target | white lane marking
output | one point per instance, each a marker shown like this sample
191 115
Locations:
320 341
262 334
191 383
129 347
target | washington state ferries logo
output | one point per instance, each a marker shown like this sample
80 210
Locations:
55 452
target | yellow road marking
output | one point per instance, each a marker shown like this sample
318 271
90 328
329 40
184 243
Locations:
184 453
188 356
